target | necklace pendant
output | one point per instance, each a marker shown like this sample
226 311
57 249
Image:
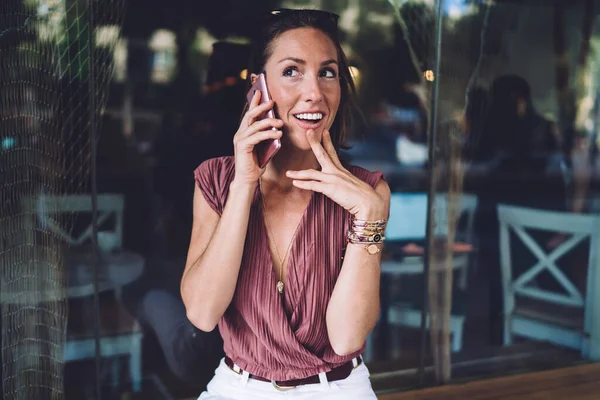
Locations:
280 287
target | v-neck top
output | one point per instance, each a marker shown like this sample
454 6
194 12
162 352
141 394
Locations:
283 336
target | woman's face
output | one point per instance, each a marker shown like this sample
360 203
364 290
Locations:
303 80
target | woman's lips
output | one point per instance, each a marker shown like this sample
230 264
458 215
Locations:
307 124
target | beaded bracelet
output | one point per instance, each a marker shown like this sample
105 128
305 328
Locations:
367 234
356 238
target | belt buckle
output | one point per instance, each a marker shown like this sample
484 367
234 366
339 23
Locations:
282 388
236 369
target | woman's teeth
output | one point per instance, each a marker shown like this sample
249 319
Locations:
310 116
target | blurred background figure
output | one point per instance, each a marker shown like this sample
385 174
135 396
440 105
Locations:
520 154
202 130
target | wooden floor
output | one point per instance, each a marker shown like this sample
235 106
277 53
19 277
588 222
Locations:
573 383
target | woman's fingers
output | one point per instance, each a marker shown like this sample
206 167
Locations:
311 174
249 124
263 125
253 104
315 186
258 137
330 149
320 153
255 99
254 112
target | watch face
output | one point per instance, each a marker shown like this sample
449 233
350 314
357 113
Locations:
373 249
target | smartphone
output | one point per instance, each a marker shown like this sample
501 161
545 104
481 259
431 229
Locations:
266 149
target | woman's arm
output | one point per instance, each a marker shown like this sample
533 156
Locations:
215 256
217 243
354 305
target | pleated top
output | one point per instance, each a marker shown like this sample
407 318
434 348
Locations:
282 336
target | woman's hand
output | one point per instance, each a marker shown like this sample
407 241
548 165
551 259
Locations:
337 183
249 134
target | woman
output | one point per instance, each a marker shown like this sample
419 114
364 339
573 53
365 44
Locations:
286 258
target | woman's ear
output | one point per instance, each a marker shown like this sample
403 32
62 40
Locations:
253 78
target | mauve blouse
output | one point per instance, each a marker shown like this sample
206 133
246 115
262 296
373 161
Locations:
275 336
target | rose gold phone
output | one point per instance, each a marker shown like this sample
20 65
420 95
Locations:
266 149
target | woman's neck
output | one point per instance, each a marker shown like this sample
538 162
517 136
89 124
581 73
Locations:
292 159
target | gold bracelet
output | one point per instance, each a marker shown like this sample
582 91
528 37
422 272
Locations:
357 238
366 231
367 222
372 249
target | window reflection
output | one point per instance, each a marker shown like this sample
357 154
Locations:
163 45
512 249
501 140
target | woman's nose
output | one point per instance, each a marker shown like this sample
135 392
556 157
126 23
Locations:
312 90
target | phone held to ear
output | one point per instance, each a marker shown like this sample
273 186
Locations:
266 149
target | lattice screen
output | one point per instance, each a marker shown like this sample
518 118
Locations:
45 138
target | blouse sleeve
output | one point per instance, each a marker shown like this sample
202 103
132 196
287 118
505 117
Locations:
207 179
375 177
372 178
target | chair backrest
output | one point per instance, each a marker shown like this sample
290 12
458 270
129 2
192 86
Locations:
408 215
594 203
45 206
579 226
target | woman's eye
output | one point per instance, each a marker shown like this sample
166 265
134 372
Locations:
290 71
328 73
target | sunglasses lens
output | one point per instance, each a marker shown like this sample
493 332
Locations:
324 16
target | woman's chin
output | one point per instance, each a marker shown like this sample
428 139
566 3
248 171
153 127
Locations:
295 146
298 142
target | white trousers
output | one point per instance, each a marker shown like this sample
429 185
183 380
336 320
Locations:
228 385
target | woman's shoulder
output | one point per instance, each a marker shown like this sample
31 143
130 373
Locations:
215 168
215 172
213 177
217 163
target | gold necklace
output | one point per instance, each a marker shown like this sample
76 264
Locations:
280 284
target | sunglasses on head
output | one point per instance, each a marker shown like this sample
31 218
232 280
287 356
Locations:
325 17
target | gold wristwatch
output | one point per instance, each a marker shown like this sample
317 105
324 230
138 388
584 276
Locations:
373 249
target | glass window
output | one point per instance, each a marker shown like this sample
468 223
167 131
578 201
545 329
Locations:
482 115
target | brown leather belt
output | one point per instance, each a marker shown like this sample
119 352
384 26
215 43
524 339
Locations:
336 374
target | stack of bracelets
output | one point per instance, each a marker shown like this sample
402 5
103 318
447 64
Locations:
367 234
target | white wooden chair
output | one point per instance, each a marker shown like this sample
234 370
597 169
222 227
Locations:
404 314
551 315
42 210
404 211
44 207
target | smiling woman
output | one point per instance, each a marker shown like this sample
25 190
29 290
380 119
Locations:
285 258
302 77
278 22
